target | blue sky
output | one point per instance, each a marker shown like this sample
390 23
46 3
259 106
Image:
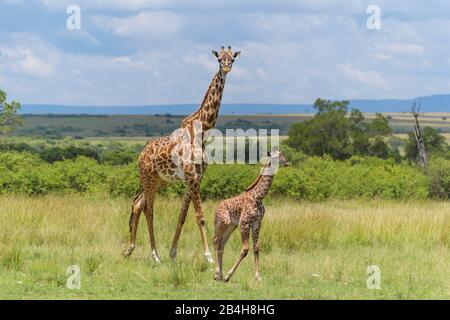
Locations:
135 52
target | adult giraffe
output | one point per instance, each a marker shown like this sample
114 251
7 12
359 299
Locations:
157 165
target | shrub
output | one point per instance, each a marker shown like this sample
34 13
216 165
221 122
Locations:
124 181
322 178
81 174
224 181
312 178
25 173
439 172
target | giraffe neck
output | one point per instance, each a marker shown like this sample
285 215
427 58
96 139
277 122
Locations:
209 109
261 186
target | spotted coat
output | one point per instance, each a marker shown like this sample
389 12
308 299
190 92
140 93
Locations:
245 212
157 166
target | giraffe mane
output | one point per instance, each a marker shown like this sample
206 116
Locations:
253 185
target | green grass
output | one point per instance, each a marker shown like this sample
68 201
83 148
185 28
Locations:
150 125
308 251
139 125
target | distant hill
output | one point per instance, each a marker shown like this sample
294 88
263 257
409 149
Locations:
434 103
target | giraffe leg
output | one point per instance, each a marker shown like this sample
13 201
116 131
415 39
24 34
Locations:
150 188
136 210
181 219
220 239
194 189
245 233
218 272
255 235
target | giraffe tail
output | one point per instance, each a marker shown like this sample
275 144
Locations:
136 208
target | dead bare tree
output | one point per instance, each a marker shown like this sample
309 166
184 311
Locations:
422 153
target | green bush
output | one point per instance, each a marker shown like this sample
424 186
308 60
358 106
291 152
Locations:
439 172
322 178
25 173
114 153
28 174
224 181
124 181
81 174
311 178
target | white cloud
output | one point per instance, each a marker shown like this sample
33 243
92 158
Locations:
33 65
80 35
23 60
202 60
42 73
366 77
127 5
382 56
403 49
132 62
154 51
159 23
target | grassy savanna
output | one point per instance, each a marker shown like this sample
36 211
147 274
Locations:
308 250
152 125
139 125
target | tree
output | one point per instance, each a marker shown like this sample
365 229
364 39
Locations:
361 143
325 133
360 139
9 119
418 134
379 148
379 126
434 143
336 132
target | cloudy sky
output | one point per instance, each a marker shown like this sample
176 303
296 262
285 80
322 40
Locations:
135 52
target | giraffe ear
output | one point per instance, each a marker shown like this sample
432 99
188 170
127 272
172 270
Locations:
215 53
236 54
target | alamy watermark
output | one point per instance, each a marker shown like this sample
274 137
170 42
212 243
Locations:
374 20
374 279
195 146
74 279
73 22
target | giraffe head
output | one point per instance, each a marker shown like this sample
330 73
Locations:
279 158
226 58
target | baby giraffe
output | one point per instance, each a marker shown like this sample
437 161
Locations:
246 212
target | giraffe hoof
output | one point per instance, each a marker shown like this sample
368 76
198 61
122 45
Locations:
156 257
258 277
218 277
226 279
128 251
209 258
173 254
